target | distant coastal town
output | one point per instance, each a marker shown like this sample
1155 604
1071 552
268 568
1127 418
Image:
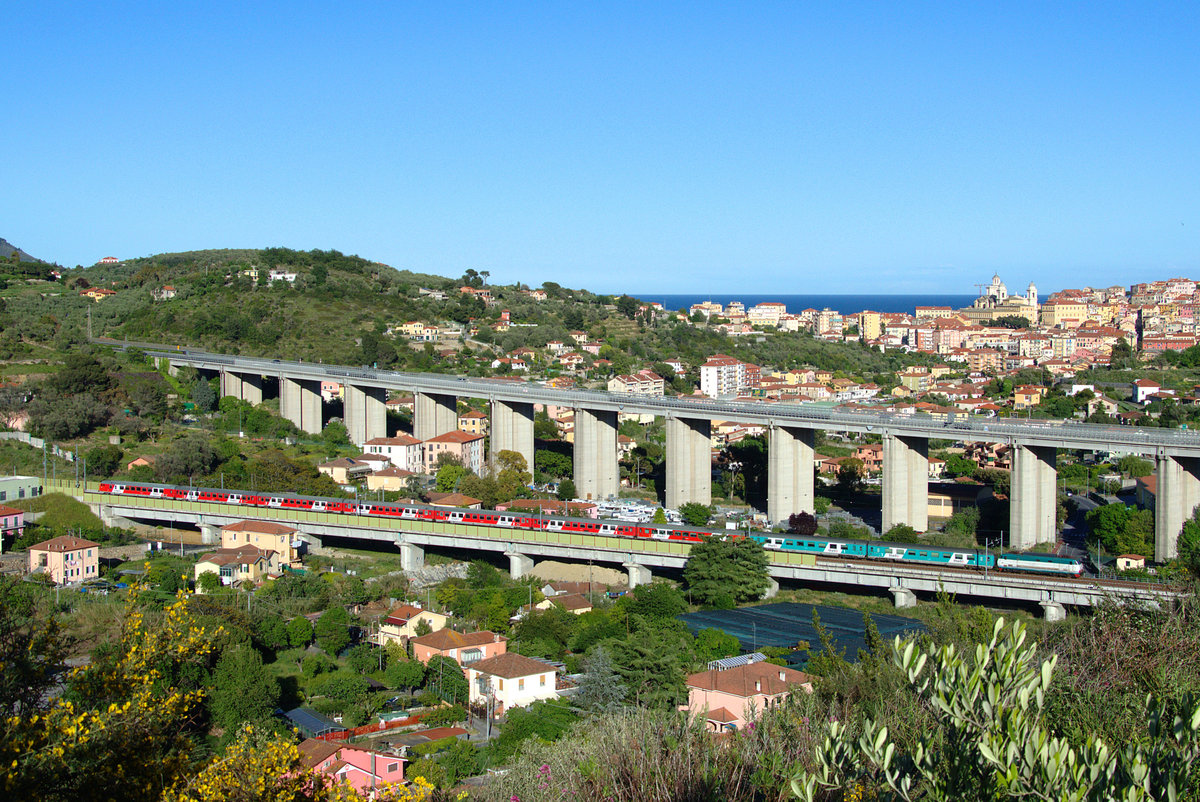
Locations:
1070 331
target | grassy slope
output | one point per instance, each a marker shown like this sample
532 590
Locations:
60 512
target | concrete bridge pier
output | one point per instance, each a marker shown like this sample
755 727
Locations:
638 574
161 361
434 414
412 556
210 534
512 429
689 461
1034 497
518 564
903 597
1176 496
231 384
789 472
772 589
365 412
595 453
300 402
110 518
905 482
245 386
1053 611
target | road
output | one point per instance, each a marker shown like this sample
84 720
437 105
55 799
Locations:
1058 434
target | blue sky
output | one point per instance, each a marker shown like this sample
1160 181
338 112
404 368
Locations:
653 147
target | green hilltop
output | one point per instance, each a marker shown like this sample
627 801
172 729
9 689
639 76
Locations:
339 308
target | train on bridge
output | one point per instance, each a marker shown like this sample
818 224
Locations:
825 547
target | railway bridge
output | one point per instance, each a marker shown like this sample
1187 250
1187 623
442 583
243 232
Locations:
638 556
791 430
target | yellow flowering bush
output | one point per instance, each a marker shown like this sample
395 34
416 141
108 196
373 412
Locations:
126 731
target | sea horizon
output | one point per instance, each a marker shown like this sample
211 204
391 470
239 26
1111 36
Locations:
845 303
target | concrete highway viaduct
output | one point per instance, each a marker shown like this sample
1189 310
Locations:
791 429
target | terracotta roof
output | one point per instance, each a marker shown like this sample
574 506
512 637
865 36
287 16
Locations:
261 527
398 440
453 500
437 733
721 715
572 601
750 679
63 543
511 665
446 639
455 437
314 751
406 612
10 510
240 554
393 471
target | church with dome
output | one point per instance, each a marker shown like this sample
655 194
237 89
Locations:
995 302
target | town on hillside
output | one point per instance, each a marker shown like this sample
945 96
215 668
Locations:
423 670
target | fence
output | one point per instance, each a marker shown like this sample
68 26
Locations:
37 442
382 726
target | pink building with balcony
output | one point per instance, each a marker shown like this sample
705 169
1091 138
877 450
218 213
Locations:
465 647
728 699
12 524
66 560
362 769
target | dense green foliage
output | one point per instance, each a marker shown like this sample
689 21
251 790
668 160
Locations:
722 571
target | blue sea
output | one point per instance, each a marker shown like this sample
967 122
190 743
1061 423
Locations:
846 304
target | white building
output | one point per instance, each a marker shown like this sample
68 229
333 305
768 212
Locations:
722 376
510 680
403 451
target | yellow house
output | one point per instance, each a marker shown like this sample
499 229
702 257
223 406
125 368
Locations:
1067 314
473 422
947 498
402 622
390 478
263 535
239 564
1028 395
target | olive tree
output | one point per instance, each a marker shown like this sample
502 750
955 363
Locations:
993 742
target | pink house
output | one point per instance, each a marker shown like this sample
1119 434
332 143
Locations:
467 447
12 523
465 647
727 700
362 769
67 560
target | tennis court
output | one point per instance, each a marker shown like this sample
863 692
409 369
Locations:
787 623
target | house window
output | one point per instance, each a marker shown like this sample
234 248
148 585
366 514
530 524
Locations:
501 684
520 684
542 680
393 767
